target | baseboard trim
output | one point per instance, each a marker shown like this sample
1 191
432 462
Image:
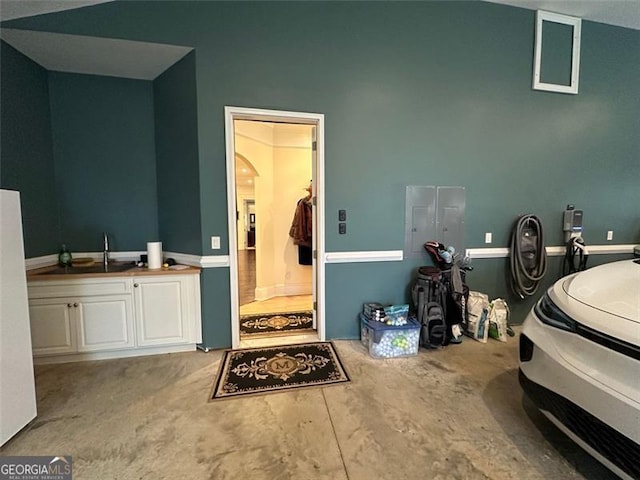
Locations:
215 261
359 257
282 290
552 251
210 261
39 262
222 261
48 260
106 355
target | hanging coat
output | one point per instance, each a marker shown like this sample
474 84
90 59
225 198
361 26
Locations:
301 228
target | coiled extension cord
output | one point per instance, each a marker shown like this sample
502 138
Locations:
528 257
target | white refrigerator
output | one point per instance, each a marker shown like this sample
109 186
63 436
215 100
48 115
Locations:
17 386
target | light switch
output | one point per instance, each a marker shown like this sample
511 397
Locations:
342 215
610 235
342 228
215 243
488 237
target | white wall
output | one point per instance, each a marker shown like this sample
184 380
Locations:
292 167
281 154
244 191
261 157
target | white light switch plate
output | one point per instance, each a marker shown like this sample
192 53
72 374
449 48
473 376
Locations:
215 243
610 235
488 237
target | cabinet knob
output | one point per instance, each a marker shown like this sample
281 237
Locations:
135 285
69 305
75 305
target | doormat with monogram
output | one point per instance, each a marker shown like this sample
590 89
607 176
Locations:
275 369
276 322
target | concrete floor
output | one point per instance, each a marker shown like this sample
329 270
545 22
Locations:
457 413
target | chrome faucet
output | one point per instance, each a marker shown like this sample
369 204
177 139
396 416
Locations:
105 241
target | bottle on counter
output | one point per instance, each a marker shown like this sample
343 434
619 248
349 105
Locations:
64 257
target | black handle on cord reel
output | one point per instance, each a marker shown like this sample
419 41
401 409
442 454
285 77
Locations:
528 256
575 247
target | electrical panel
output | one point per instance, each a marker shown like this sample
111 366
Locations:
420 219
433 213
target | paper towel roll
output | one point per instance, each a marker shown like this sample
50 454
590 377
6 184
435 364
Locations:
154 255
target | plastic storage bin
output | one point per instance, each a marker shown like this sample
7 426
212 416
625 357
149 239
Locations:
390 341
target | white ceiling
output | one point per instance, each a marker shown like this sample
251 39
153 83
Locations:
10 9
81 54
624 13
142 60
92 55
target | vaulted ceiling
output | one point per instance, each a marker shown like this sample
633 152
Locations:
624 13
142 60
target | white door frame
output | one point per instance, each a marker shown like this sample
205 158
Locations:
316 119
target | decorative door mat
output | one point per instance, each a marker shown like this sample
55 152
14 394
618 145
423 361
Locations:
274 369
276 322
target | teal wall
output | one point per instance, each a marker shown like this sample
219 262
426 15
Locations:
104 154
176 136
556 55
216 308
360 283
26 160
414 93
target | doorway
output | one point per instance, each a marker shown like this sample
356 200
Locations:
249 214
275 163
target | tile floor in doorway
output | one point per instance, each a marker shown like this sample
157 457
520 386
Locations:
249 306
247 285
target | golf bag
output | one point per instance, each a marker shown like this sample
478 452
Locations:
457 296
429 298
439 298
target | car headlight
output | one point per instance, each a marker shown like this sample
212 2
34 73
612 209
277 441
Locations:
549 313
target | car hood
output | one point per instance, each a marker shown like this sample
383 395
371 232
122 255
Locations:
613 288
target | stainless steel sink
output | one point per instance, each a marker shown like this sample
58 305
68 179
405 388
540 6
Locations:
96 268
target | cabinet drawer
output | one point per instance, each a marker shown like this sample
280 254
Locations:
75 288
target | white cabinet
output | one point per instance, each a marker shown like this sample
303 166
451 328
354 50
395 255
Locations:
53 327
160 316
81 324
105 323
167 309
110 317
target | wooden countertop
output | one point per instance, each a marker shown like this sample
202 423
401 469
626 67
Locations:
53 272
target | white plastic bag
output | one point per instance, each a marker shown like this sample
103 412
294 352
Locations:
478 309
498 319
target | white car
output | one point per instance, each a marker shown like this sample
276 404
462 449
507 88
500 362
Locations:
580 361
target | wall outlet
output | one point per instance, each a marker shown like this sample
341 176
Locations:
215 243
610 235
488 237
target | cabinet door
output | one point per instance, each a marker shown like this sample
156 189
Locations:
160 316
104 323
53 329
